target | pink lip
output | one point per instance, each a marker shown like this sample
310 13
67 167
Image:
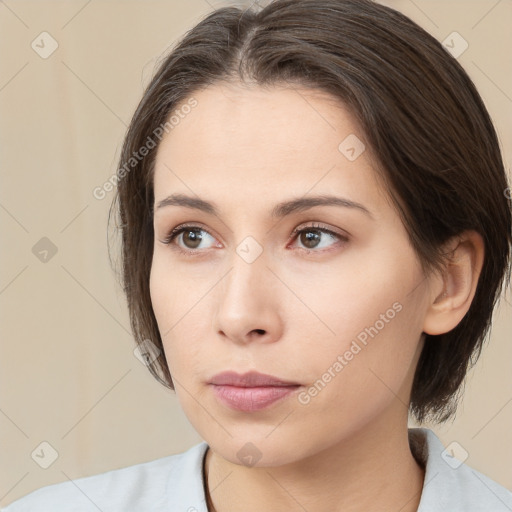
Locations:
249 380
251 391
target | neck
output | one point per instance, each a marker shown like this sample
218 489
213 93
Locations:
372 470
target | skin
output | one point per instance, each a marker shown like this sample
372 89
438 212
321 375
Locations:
291 313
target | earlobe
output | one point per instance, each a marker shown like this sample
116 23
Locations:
455 288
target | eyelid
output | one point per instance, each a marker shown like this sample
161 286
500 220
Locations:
324 228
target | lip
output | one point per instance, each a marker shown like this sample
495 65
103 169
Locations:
251 391
249 379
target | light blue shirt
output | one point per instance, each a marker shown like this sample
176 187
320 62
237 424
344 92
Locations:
175 484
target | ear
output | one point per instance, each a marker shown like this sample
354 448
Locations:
453 290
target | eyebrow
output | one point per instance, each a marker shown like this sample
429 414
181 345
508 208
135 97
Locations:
280 210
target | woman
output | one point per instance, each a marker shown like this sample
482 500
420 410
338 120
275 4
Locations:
307 260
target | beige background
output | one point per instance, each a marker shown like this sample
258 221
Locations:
68 375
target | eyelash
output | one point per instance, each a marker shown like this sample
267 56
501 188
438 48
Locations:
185 227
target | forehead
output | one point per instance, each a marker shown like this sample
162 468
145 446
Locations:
260 120
263 139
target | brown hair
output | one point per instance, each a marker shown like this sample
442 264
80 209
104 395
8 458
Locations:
419 112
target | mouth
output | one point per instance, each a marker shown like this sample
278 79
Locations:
251 391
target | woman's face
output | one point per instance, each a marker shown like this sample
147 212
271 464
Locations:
337 309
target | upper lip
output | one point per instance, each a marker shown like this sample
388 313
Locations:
249 379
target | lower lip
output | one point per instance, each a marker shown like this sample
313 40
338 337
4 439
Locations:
251 399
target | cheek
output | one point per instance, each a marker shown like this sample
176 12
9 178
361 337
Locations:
162 298
373 318
173 292
360 296
177 299
363 371
374 301
164 303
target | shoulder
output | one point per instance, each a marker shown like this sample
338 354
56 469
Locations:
450 484
173 480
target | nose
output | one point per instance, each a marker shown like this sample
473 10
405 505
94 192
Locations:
249 303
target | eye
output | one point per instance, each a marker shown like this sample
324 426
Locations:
311 237
189 235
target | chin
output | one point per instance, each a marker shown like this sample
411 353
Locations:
258 451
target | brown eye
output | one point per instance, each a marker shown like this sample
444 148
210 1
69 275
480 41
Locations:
311 238
191 238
